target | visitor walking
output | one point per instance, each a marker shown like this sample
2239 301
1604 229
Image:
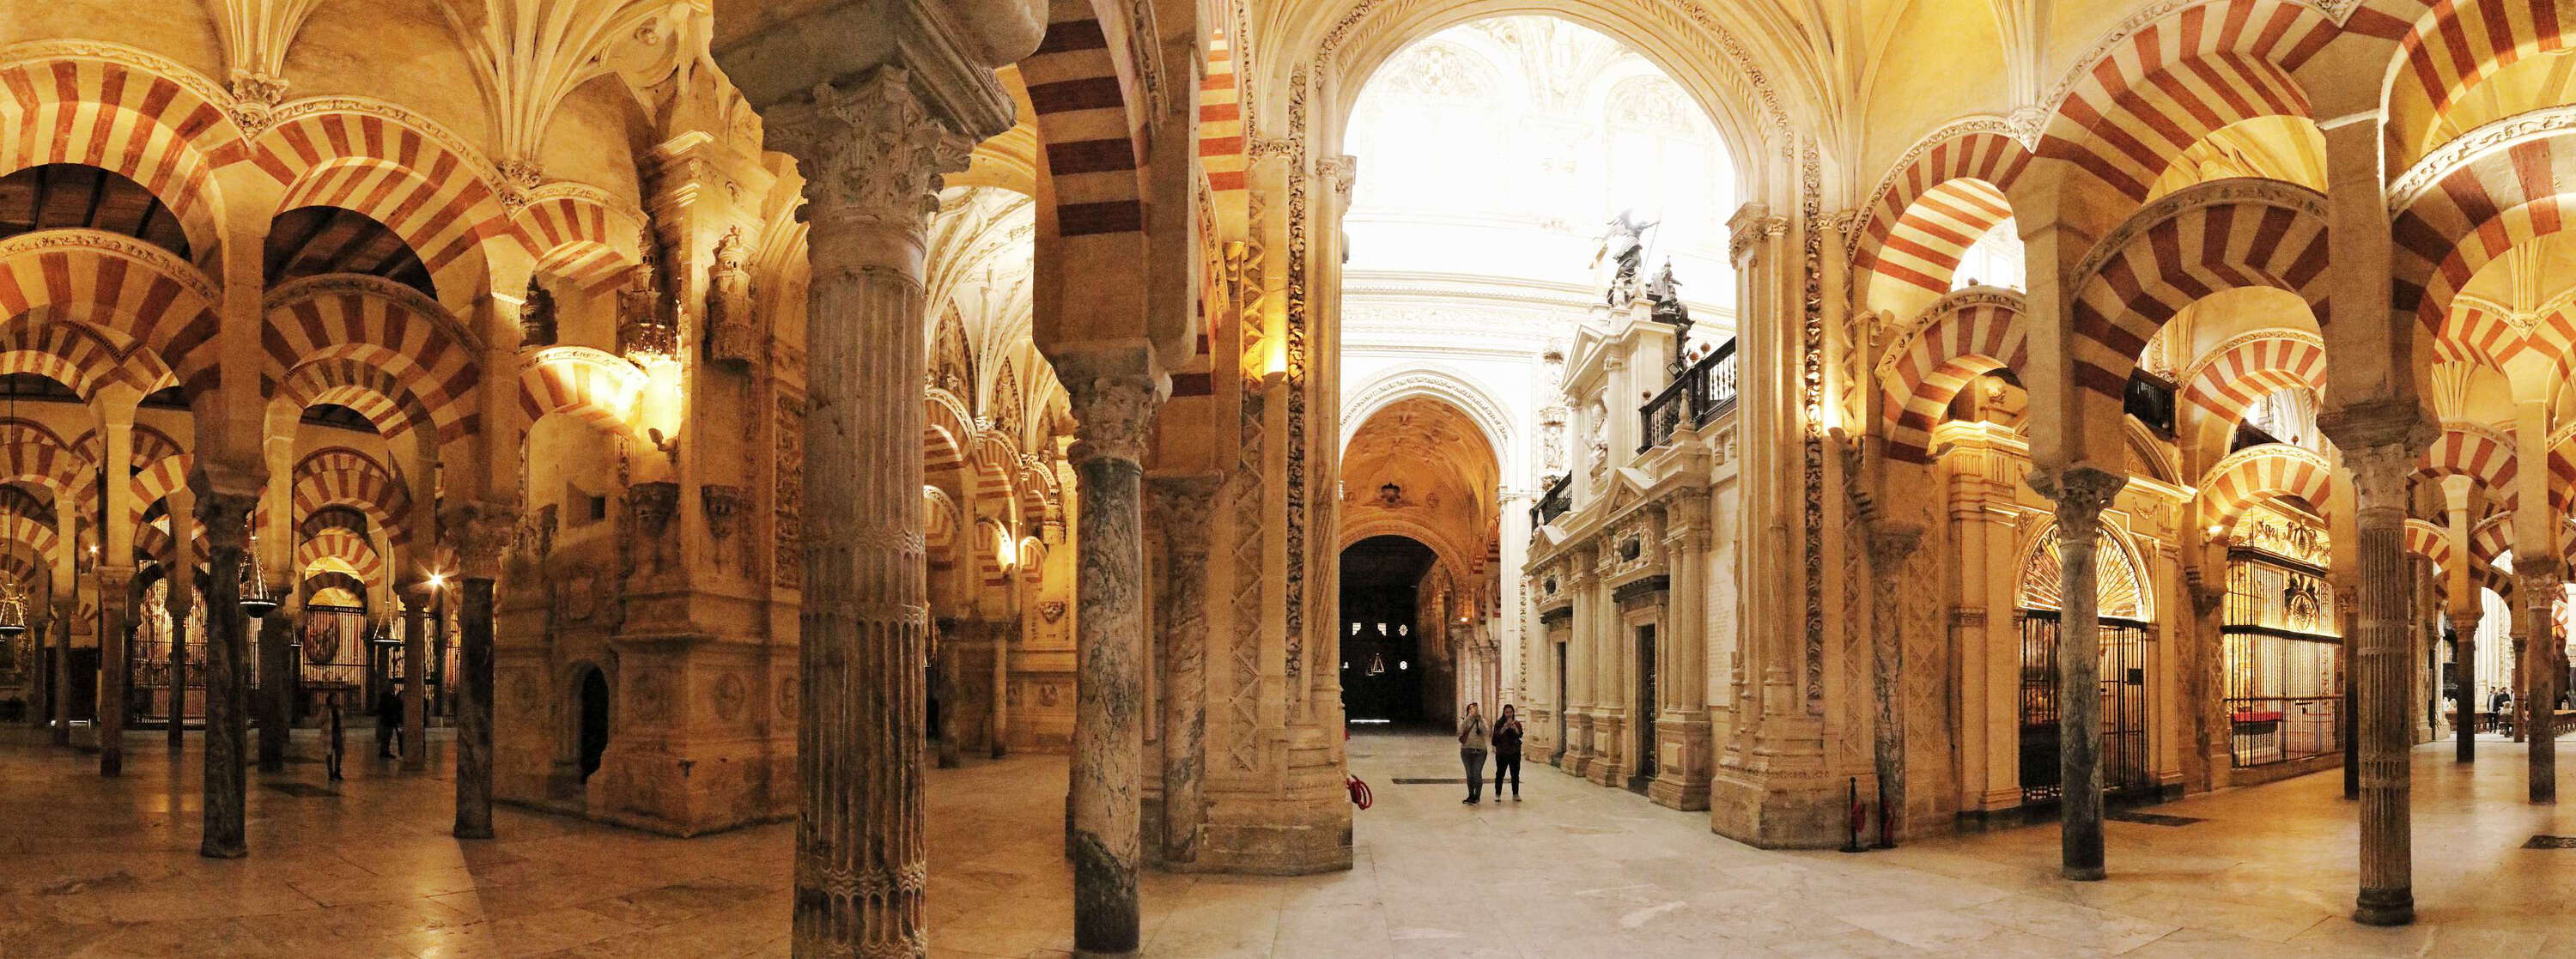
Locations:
1507 752
331 739
1472 735
389 718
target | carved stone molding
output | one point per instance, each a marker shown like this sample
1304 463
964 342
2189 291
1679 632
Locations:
2485 139
2275 193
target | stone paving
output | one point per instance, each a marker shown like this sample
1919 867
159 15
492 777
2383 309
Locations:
365 868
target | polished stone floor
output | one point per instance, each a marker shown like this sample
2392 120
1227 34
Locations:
109 868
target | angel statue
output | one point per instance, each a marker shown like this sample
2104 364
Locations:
1624 245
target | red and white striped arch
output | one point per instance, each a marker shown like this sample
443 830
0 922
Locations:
2490 539
77 357
379 323
35 533
2257 473
136 114
330 588
1962 336
401 172
2476 331
342 551
2451 47
994 461
2431 542
577 237
1919 256
31 454
2562 469
2229 380
2203 239
2474 211
339 476
155 480
1090 114
2477 452
947 429
2153 93
136 293
1221 118
939 525
1979 150
361 386
1037 489
597 387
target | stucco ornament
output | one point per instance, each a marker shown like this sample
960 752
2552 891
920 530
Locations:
841 139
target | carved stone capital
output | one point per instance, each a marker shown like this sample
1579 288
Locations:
225 518
869 150
482 532
1342 172
1114 415
1891 543
2081 493
1184 508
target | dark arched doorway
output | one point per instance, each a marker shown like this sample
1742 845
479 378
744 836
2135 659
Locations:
594 721
1383 666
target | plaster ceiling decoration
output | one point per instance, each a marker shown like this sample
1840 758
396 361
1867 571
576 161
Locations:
1437 459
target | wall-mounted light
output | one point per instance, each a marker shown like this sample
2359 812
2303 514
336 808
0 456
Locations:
1005 549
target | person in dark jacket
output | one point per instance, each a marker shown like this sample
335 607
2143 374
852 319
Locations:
1507 752
389 719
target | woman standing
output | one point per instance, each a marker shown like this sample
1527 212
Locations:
1471 751
1507 752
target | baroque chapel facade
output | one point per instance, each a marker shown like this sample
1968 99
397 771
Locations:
718 412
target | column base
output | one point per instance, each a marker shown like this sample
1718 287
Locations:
1681 778
1609 767
2080 873
1778 811
2384 907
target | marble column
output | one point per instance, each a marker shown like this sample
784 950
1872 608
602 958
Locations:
115 583
276 686
2380 684
1108 722
2464 622
2081 493
481 531
178 600
2536 587
1890 544
415 692
39 677
871 153
62 703
1183 513
226 519
2520 681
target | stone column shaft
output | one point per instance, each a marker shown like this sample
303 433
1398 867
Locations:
178 600
415 692
115 668
226 517
2465 654
1108 720
62 698
2081 493
1890 545
870 154
2537 590
1184 513
2380 683
474 715
39 676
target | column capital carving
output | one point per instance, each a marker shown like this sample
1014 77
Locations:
869 150
1184 507
1891 543
1113 415
2081 492
225 516
482 532
2380 474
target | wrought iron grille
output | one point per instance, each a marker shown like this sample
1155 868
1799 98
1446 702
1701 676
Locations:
2126 646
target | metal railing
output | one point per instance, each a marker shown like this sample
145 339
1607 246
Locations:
1698 396
1553 503
2278 729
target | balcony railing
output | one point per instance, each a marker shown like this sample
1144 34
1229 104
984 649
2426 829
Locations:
1553 503
1697 397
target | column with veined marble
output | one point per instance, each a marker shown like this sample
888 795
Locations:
481 530
1113 413
2081 493
1183 512
2536 588
225 516
871 154
179 598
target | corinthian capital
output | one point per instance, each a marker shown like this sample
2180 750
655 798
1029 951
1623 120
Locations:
1113 413
481 532
2081 493
869 149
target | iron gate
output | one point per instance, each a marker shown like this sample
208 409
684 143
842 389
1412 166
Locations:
2125 645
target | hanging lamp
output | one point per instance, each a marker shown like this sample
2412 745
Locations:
255 597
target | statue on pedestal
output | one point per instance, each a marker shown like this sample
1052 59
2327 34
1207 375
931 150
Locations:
1624 246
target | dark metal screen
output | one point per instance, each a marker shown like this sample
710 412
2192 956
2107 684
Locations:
2125 648
2284 695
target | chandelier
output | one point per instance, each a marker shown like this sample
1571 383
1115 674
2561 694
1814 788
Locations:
255 597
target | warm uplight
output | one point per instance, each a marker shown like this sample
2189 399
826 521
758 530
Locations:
438 580
1005 548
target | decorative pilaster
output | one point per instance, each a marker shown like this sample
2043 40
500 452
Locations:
1114 414
1183 514
871 155
115 585
2081 493
225 516
2381 474
1685 644
482 531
